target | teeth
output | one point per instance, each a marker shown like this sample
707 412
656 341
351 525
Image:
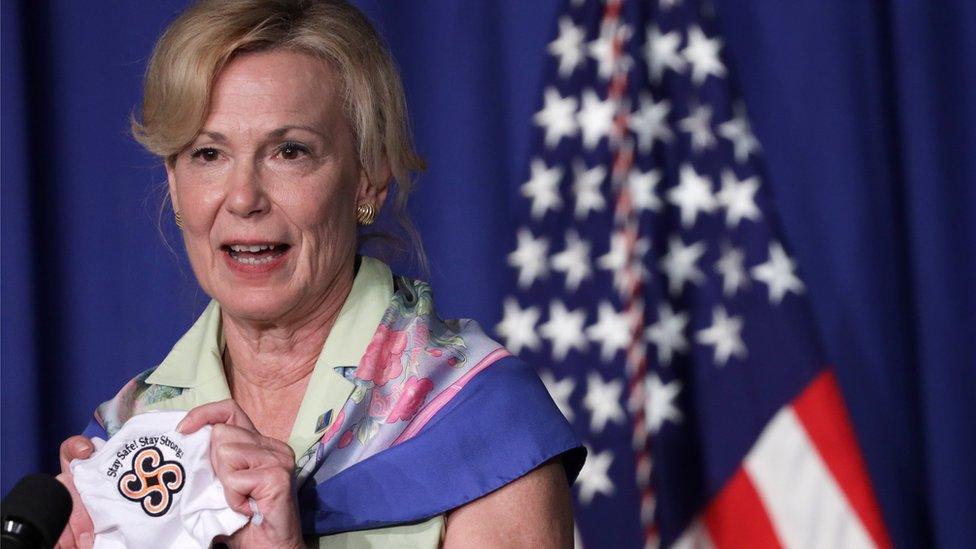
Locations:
254 260
253 249
238 253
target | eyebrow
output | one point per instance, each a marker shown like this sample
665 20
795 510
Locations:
285 129
217 136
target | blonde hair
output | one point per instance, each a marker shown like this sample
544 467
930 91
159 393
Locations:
200 42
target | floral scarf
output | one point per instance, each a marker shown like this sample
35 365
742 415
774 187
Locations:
439 410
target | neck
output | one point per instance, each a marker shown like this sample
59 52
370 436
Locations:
268 364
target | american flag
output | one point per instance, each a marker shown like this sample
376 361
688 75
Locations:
653 289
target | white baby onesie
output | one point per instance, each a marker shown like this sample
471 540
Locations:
150 486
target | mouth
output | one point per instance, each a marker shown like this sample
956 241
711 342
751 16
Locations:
261 253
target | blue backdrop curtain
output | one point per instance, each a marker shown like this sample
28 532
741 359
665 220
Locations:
864 109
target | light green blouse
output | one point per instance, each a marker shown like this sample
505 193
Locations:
195 364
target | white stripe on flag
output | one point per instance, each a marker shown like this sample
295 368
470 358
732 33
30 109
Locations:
803 501
695 537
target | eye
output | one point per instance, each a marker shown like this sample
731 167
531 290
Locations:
207 154
292 151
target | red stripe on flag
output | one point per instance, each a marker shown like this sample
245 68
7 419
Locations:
821 410
737 517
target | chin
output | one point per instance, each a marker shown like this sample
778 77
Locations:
255 305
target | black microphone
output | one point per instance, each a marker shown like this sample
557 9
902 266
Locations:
34 513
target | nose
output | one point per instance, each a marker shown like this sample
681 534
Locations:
246 196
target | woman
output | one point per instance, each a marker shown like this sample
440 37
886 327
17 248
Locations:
281 125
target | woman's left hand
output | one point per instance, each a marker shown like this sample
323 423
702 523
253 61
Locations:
250 465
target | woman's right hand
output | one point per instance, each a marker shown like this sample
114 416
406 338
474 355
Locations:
79 533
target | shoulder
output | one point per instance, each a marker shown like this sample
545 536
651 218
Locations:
507 411
492 397
440 415
494 429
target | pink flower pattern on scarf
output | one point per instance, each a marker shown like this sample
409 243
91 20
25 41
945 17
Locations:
382 360
412 396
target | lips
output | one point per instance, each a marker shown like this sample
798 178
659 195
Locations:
254 257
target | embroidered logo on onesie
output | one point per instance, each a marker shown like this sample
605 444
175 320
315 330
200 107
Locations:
152 481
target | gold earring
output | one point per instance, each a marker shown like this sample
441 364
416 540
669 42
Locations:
179 219
366 214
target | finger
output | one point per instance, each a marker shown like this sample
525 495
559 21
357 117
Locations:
225 411
67 539
235 455
272 484
236 497
233 448
79 520
223 433
76 447
232 457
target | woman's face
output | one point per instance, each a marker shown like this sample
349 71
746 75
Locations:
268 190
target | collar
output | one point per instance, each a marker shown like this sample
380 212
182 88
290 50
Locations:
195 361
196 358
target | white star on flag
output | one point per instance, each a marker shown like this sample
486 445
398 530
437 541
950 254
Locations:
586 187
724 335
617 258
738 198
667 334
564 330
611 331
529 257
679 264
692 195
602 50
603 401
777 273
650 122
661 52
569 46
595 118
641 186
660 406
732 271
518 326
574 261
560 391
739 132
557 117
594 478
699 127
543 188
702 53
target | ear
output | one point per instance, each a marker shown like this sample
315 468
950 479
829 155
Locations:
171 184
373 186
